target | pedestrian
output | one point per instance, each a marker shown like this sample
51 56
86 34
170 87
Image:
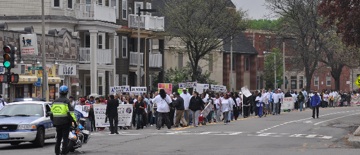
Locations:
276 98
62 116
162 102
139 107
179 106
112 114
315 104
186 96
301 100
196 106
225 108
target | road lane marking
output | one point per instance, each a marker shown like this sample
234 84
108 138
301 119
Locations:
306 119
335 118
311 136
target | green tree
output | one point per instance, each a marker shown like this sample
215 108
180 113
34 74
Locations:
273 62
265 24
202 25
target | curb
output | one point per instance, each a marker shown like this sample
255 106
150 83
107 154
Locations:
354 139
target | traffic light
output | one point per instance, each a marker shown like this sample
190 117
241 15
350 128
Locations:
9 56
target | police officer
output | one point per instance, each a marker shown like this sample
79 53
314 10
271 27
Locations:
62 115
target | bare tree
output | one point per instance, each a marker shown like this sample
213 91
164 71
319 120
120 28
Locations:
302 22
202 25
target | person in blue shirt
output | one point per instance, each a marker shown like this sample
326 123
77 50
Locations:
315 104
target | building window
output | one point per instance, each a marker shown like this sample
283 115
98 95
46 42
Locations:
293 82
87 39
137 5
316 81
211 62
70 4
247 64
124 80
100 85
124 45
100 2
56 3
148 6
301 82
100 41
180 60
124 9
328 81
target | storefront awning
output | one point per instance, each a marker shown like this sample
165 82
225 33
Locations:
26 79
54 80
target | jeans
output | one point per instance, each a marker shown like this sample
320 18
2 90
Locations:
226 116
218 114
301 105
139 121
195 117
315 109
113 124
163 116
187 116
275 108
62 133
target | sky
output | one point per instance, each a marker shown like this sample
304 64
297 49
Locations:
256 9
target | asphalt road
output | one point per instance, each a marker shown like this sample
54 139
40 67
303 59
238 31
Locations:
288 133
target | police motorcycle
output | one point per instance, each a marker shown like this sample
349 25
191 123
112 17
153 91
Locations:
77 136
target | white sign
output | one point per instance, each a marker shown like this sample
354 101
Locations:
201 87
138 90
124 114
120 89
83 109
28 44
222 89
246 91
182 85
67 69
191 84
288 103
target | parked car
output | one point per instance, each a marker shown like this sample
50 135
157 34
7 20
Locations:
28 99
26 121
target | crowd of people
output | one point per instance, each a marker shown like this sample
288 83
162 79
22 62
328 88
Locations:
185 108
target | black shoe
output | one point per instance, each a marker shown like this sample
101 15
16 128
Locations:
313 117
117 133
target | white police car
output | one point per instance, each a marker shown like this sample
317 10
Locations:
26 121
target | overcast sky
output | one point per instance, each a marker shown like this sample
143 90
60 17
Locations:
256 9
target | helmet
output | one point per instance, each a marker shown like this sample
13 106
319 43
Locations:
63 89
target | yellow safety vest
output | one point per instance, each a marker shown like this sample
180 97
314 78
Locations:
61 110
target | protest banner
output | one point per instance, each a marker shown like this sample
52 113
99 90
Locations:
83 109
288 103
124 114
207 110
119 89
191 84
182 85
355 99
201 87
246 91
138 90
166 86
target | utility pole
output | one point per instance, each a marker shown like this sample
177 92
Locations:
284 81
275 87
231 66
44 74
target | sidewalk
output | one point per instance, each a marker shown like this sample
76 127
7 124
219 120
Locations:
354 139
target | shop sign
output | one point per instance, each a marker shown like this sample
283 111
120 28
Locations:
67 69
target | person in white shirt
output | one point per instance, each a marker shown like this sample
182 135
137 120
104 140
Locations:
326 97
217 103
225 108
186 96
163 100
276 98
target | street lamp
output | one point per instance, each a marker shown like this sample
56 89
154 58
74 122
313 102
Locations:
45 80
138 43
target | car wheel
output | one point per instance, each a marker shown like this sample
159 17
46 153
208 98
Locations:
40 137
14 143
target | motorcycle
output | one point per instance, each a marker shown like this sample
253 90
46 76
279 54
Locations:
77 137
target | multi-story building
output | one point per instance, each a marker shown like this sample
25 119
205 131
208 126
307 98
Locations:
62 46
92 21
151 43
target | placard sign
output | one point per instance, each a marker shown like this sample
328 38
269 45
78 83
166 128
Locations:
28 44
138 90
67 69
124 114
288 103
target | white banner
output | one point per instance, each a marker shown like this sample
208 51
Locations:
222 89
28 44
288 103
246 91
191 84
201 87
215 88
207 110
182 85
120 89
83 109
138 90
124 111
67 69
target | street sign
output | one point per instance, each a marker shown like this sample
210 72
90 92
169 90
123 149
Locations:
67 69
35 68
357 82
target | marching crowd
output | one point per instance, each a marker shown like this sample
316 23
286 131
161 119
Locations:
184 109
